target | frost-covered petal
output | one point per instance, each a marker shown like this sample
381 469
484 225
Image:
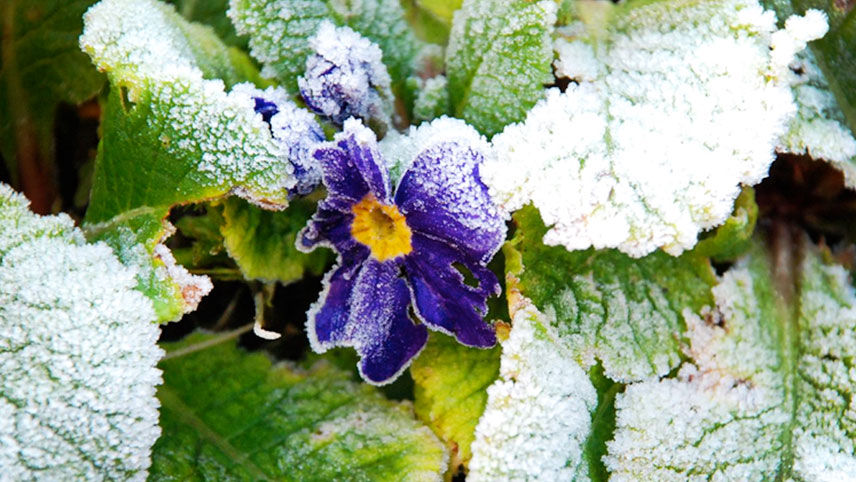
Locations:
294 128
346 77
441 296
441 193
685 102
78 354
369 312
352 166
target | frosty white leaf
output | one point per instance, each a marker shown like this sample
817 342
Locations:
166 67
678 103
538 412
819 128
78 354
762 394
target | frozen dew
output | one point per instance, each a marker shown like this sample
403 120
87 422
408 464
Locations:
345 77
78 351
684 103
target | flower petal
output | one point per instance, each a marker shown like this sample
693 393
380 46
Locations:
441 193
368 311
352 167
443 300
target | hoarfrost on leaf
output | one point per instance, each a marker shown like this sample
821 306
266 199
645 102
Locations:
538 413
766 391
678 103
168 71
819 128
78 351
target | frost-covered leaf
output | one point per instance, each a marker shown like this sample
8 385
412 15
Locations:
538 414
432 99
279 32
450 391
262 242
498 60
173 135
78 353
40 66
609 308
767 392
677 104
232 415
819 128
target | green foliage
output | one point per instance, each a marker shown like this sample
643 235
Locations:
450 391
283 45
229 414
625 312
212 13
498 60
40 67
262 242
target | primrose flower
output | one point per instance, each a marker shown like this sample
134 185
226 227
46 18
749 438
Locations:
402 248
294 128
345 77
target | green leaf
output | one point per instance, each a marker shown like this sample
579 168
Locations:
767 391
820 126
229 414
40 66
173 135
432 99
498 60
262 243
441 9
213 14
734 236
78 353
451 383
625 313
279 32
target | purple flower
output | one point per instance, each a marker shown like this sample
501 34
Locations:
400 250
294 128
345 77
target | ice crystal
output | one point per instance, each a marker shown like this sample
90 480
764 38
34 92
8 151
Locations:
78 351
679 103
345 77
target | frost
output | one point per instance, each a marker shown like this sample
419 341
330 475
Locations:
686 103
78 351
819 129
538 412
433 98
294 128
162 62
761 396
279 32
345 77
498 60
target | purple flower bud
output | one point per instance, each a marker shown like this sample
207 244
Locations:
345 77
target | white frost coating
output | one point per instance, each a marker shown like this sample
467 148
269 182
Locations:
819 128
143 47
757 388
688 103
346 76
296 130
538 413
193 287
722 417
825 427
78 355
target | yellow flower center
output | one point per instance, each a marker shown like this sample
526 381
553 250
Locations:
380 227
